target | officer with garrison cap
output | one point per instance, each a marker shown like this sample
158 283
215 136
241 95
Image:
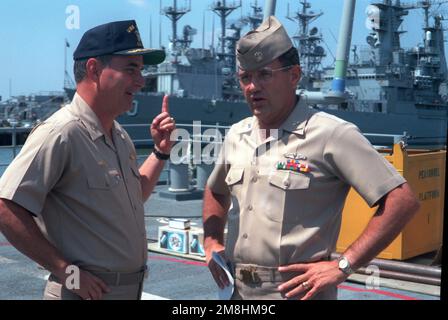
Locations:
281 181
72 200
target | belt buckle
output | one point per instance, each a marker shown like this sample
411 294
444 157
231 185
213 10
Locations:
249 274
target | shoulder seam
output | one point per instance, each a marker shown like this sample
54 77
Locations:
332 134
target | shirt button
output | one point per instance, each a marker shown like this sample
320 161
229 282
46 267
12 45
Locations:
249 207
245 236
254 179
286 183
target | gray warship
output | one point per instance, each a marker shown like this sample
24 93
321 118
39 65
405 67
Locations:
394 90
201 82
391 90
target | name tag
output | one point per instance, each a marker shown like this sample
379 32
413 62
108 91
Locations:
115 175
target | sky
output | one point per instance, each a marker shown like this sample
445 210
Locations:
33 32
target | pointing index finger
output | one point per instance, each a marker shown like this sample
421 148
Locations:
165 103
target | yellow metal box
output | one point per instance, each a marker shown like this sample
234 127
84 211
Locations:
425 172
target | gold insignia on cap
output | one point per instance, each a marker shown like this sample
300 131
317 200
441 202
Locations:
258 56
135 50
131 28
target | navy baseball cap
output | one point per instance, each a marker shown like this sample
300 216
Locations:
116 38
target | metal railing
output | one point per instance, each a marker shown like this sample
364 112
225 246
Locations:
150 141
14 131
194 136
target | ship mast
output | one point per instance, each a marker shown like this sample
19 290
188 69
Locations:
307 41
230 87
174 13
256 18
68 82
222 9
425 5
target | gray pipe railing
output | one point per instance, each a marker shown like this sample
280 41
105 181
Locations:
403 270
403 276
14 131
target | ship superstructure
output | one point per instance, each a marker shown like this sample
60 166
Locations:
406 86
392 90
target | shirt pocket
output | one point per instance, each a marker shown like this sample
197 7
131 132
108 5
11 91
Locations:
135 181
287 180
283 200
234 180
103 178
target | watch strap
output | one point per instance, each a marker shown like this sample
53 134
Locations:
348 268
161 156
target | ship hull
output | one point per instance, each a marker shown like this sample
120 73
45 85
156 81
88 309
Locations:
424 132
186 112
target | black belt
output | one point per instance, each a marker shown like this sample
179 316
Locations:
121 278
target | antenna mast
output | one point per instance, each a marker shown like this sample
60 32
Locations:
222 9
174 14
307 42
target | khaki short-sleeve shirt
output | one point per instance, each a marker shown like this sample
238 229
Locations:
280 213
83 188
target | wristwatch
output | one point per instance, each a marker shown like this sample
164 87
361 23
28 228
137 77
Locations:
161 156
345 266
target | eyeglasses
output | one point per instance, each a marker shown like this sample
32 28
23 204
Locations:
264 75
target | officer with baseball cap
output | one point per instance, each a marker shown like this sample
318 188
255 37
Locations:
116 38
72 200
281 181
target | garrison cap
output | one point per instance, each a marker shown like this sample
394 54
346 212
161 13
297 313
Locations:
116 38
263 45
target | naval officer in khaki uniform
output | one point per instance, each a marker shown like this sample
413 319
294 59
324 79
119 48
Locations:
281 181
72 200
